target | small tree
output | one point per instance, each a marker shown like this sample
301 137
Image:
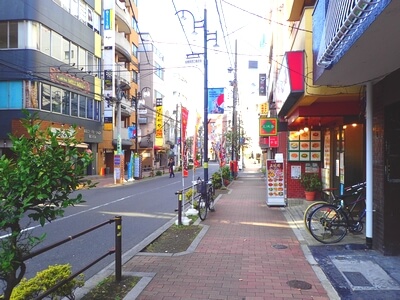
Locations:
36 184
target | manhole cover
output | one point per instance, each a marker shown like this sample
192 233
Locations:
357 279
299 284
279 246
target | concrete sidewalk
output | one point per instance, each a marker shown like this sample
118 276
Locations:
249 251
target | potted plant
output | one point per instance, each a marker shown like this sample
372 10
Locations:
311 183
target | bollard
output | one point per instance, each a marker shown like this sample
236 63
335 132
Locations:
179 193
118 248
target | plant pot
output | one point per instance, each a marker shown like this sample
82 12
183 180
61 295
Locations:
310 196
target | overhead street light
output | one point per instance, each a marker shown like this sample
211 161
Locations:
203 24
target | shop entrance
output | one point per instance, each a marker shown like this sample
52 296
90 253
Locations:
392 179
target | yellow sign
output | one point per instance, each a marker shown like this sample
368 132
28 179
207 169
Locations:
264 108
159 121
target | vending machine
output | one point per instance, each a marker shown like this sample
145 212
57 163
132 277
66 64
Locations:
275 182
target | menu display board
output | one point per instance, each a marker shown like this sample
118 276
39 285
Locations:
304 147
275 183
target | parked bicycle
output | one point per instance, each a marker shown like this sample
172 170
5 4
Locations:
330 223
329 197
206 199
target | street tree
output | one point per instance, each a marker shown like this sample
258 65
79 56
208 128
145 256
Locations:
236 141
36 184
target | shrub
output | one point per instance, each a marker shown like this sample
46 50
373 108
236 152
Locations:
159 173
311 182
226 172
189 193
44 280
216 180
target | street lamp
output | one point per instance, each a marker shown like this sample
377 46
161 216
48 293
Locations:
203 24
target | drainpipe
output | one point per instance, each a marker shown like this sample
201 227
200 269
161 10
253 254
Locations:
369 166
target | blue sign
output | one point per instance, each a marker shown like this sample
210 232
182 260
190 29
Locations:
107 19
132 131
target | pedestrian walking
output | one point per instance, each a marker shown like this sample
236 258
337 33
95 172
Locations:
171 165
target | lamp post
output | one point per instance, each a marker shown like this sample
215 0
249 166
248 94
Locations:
205 116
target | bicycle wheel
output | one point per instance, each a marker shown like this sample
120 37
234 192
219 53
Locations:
210 195
202 208
328 224
309 210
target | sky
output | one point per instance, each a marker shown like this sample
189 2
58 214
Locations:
234 21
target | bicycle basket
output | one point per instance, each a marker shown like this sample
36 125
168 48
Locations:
201 187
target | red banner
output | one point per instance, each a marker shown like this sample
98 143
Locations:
184 121
194 146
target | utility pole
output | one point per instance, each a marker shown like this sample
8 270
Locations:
235 90
177 163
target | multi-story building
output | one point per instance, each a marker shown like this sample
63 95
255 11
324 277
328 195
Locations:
151 112
355 43
338 81
50 59
120 74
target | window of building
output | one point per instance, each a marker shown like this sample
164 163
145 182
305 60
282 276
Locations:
13 34
45 40
82 11
74 104
45 97
90 109
134 50
73 58
66 5
97 107
74 8
90 62
134 76
82 106
56 46
66 103
56 94
159 71
135 24
82 58
33 32
3 35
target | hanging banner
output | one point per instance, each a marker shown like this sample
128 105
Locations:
194 150
132 131
184 121
159 123
216 101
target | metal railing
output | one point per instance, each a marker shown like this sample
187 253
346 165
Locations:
183 202
343 19
117 250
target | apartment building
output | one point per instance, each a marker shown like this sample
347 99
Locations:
120 74
152 93
50 57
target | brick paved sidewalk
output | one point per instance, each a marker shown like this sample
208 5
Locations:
248 252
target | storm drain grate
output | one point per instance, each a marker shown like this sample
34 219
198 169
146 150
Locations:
278 246
357 279
299 284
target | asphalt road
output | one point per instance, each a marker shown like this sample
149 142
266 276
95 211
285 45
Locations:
145 206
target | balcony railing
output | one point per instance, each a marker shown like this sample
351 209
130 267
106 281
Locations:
122 45
343 19
123 19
